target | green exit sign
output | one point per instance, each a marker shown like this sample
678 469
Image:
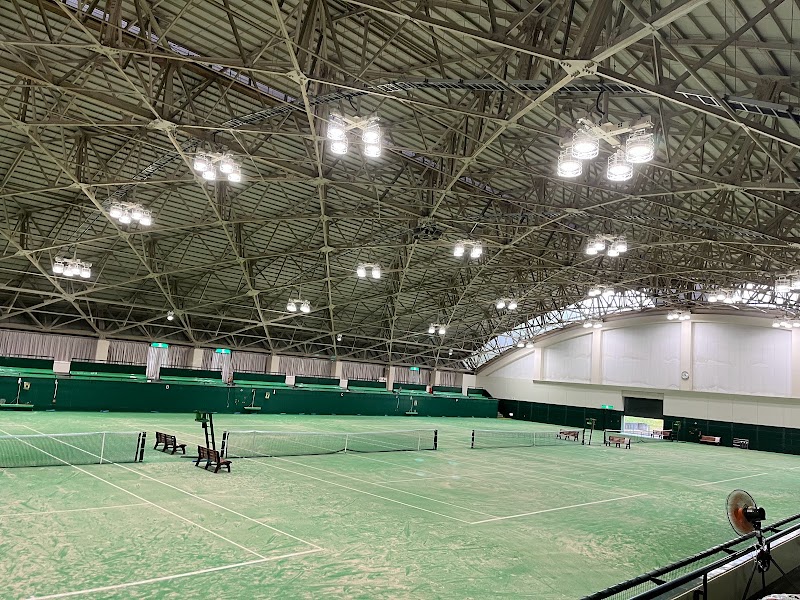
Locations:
608 406
413 368
159 345
223 350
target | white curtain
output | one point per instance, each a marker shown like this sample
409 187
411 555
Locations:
741 359
362 371
45 345
156 358
450 379
406 375
310 367
570 360
643 356
249 362
207 364
222 363
129 353
179 357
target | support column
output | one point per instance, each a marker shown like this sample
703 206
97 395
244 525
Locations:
273 363
597 356
687 331
338 367
795 362
101 352
197 358
389 378
437 378
538 363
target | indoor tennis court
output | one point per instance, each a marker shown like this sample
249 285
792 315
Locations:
547 522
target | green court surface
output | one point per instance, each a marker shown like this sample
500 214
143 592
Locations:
546 522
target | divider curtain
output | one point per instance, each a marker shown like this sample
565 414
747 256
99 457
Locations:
249 362
450 379
362 371
129 353
179 357
406 375
46 345
207 364
156 358
222 363
310 367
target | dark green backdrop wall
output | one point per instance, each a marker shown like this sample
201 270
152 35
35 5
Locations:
76 393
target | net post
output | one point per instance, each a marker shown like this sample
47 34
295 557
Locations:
435 439
346 437
472 441
419 440
102 447
223 452
143 439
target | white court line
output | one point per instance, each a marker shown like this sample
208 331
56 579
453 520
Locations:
347 487
342 475
726 480
547 510
169 485
68 510
144 500
171 577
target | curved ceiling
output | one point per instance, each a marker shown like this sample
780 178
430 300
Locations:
111 100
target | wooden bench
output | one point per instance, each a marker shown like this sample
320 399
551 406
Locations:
742 443
212 458
662 434
169 441
566 434
710 439
618 441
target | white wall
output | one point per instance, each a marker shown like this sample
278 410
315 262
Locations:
742 359
645 356
738 369
569 360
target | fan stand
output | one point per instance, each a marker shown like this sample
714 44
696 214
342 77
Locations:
763 561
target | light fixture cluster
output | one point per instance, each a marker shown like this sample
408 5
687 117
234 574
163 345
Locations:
639 147
371 134
475 248
507 303
786 323
612 245
170 315
374 269
678 315
787 283
434 327
131 212
524 344
725 295
72 267
607 291
207 165
295 304
593 324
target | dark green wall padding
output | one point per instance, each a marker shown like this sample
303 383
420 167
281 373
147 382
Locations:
762 437
92 367
558 414
102 393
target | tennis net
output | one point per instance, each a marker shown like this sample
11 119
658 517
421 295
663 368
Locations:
635 436
495 438
49 450
250 444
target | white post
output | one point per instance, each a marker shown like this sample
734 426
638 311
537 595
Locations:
687 331
389 378
101 352
102 448
273 363
597 356
346 437
197 358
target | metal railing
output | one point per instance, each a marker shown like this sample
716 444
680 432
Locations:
690 570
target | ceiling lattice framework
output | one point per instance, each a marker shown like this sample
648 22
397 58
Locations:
111 99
